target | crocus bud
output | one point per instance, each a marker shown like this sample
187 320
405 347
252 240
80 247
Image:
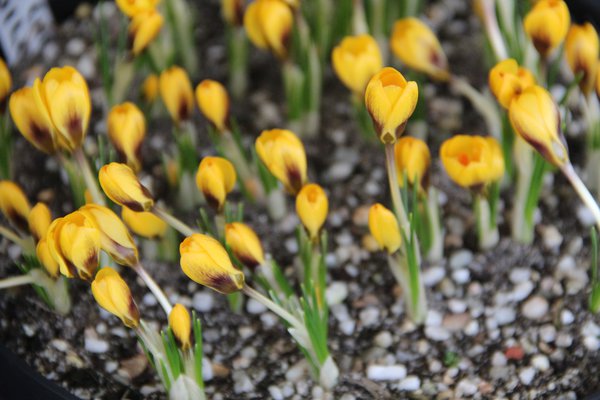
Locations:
65 96
112 293
312 206
144 223
390 100
5 85
384 228
283 154
181 325
233 11
213 102
245 244
413 160
33 122
122 186
535 117
206 262
597 86
355 60
74 243
215 179
150 88
126 130
177 93
269 24
472 161
114 236
14 205
418 48
547 24
507 80
143 29
133 7
581 52
39 220
42 251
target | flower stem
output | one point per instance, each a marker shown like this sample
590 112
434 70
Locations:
13 237
16 281
399 209
175 223
88 177
271 305
582 191
154 288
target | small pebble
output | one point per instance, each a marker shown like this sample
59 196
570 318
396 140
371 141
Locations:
498 359
460 259
472 328
564 340
149 300
386 372
457 306
437 333
504 315
255 307
336 292
241 382
433 275
566 317
551 237
203 301
585 216
540 362
433 318
465 388
461 276
369 316
526 375
518 275
548 333
591 343
383 339
522 290
535 308
410 384
96 346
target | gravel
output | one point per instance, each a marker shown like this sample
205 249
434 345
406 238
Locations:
386 372
535 308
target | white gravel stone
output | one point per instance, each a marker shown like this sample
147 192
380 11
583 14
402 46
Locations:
585 216
498 359
540 362
202 301
564 340
255 307
548 333
460 259
518 275
457 306
410 384
97 346
347 327
504 315
551 237
566 317
535 308
433 275
465 387
149 299
522 291
242 382
472 328
526 375
383 339
369 316
461 276
297 371
590 329
437 333
336 292
591 343
386 372
433 318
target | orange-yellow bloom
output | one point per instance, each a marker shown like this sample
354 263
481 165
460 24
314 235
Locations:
143 29
244 243
181 325
233 11
390 100
312 207
150 88
177 93
42 251
33 122
413 159
269 24
144 223
39 220
384 228
126 131
472 161
133 7
507 80
581 52
112 293
5 85
215 179
14 205
418 48
120 184
547 24
355 60
213 102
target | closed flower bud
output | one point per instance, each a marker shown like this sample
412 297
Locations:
312 207
42 251
581 52
507 80
269 25
143 29
122 186
534 116
14 205
245 244
206 262
126 130
413 159
181 325
74 243
150 88
418 48
177 93
112 293
65 95
233 11
33 122
547 24
384 228
133 7
213 102
114 236
472 161
283 154
144 223
5 85
355 60
215 179
390 100
39 220
598 79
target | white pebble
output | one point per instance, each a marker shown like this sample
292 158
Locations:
504 315
535 308
410 384
526 375
457 306
460 259
548 333
472 328
347 327
386 372
203 301
297 371
518 275
336 292
540 362
149 300
564 340
94 345
369 316
461 276
433 318
433 275
590 329
498 359
255 307
566 317
591 343
275 393
383 339
437 333
465 388
242 382
522 290
551 237
585 216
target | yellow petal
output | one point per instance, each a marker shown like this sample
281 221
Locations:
122 186
5 85
312 207
581 52
384 228
181 325
143 29
215 179
547 24
112 293
206 262
177 93
269 24
39 220
43 254
126 130
33 123
133 7
507 80
245 244
150 88
144 223
14 205
233 11
355 60
213 102
413 159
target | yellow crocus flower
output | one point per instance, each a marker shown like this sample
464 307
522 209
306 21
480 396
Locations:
5 85
144 223
42 251
143 29
126 127
33 122
215 179
177 93
384 228
120 184
390 100
150 88
206 262
507 80
133 7
213 102
39 220
181 325
581 52
269 25
413 159
14 205
233 11
245 244
312 207
112 293
355 60
547 24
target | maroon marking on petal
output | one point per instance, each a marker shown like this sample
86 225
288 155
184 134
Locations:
247 260
75 129
222 283
183 110
133 205
295 179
